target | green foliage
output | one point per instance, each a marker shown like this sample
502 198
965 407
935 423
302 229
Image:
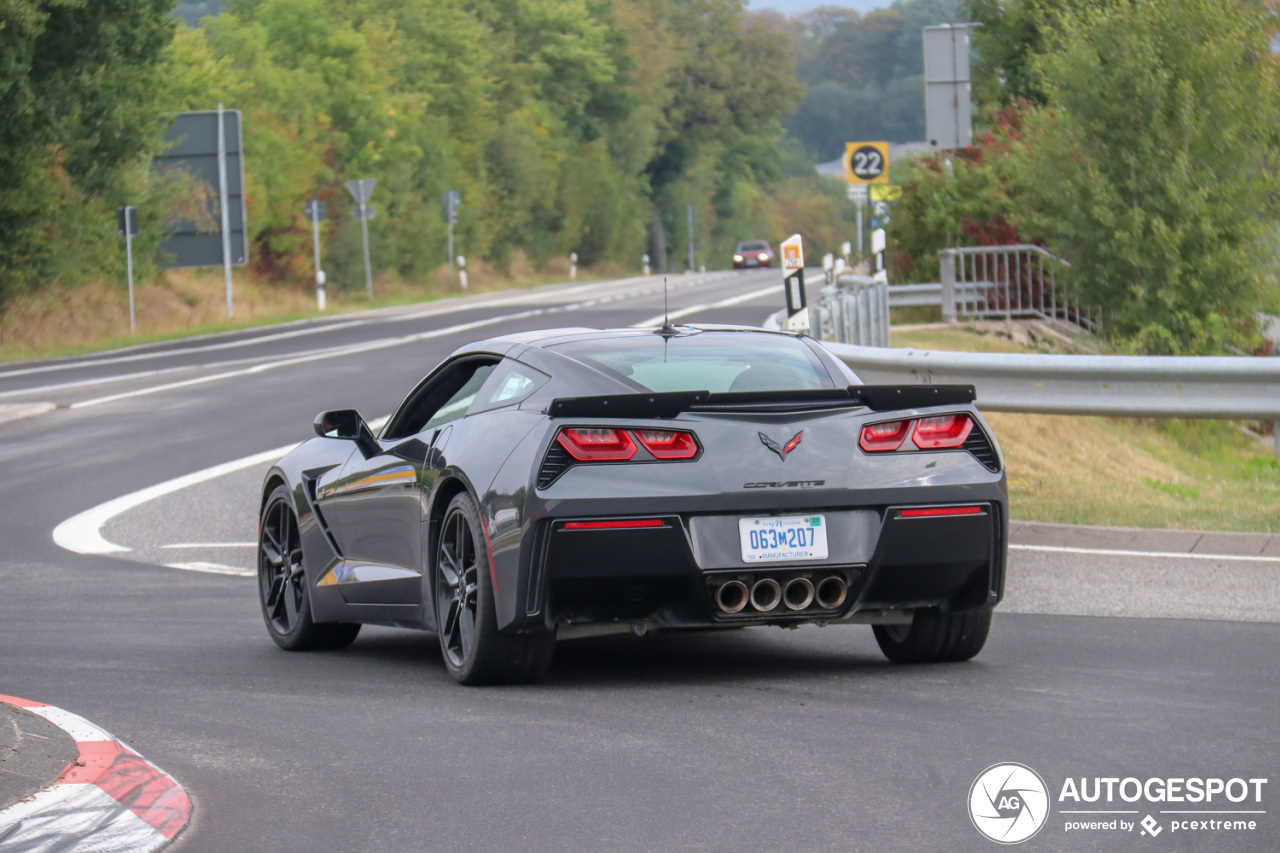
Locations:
1162 191
76 83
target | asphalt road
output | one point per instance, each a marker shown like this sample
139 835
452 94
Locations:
758 739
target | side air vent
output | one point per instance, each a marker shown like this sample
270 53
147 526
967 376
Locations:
980 446
537 568
555 463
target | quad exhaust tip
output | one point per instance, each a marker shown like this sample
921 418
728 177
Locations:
795 592
766 594
798 594
731 597
831 592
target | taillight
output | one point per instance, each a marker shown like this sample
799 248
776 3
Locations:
668 443
592 444
941 431
879 438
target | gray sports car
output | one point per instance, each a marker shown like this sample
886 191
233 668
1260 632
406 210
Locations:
574 482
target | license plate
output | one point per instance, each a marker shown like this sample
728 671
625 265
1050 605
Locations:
773 539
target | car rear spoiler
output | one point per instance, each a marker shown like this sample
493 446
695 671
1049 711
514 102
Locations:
878 398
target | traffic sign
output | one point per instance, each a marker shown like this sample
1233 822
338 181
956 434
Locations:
792 253
886 192
365 211
858 192
315 210
127 221
866 162
362 189
449 200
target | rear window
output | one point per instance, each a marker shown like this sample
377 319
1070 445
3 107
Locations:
706 361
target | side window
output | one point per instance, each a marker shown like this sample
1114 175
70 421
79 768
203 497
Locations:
444 397
457 405
508 385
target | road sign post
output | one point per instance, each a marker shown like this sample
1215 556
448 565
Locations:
315 212
948 111
127 227
449 200
361 190
865 164
793 284
691 216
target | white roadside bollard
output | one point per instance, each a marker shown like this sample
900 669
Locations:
573 265
828 267
645 260
320 289
462 271
846 249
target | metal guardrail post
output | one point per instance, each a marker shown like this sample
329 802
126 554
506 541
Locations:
947 260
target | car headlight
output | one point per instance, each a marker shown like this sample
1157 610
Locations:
737 257
764 256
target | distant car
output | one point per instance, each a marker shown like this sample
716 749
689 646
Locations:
752 253
576 482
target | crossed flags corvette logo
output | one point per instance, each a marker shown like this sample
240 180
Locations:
781 449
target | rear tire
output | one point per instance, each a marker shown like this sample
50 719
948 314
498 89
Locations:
282 583
474 651
935 638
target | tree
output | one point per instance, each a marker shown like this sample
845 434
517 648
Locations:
1152 165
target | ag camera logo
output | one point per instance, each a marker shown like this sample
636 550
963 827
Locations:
1008 803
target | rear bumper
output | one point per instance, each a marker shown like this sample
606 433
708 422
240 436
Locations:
674 575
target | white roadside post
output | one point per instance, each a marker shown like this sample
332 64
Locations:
462 271
361 190
793 284
645 260
223 203
573 265
315 212
127 227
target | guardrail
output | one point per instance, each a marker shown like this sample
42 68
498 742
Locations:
1223 387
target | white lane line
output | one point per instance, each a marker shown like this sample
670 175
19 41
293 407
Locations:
1174 555
212 569
212 545
82 533
315 356
723 303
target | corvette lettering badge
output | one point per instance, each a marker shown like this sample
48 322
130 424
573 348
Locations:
781 449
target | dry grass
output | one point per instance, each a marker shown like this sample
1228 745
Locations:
60 321
1198 475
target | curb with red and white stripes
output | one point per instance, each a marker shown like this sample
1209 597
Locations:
109 799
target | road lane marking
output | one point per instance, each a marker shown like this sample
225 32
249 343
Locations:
1111 552
82 533
723 303
213 569
212 545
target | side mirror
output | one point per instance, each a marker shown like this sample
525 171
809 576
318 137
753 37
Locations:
347 425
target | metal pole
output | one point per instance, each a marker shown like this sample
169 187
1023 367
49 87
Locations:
315 239
364 231
859 228
128 248
947 261
451 251
226 214
690 216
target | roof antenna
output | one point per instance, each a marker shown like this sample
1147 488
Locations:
667 328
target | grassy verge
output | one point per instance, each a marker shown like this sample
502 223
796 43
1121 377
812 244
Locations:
56 321
1197 475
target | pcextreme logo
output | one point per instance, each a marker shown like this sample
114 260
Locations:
1008 803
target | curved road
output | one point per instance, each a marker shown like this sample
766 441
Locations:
760 739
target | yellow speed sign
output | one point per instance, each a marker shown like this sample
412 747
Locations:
866 162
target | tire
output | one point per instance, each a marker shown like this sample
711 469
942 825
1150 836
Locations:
282 583
474 651
934 638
